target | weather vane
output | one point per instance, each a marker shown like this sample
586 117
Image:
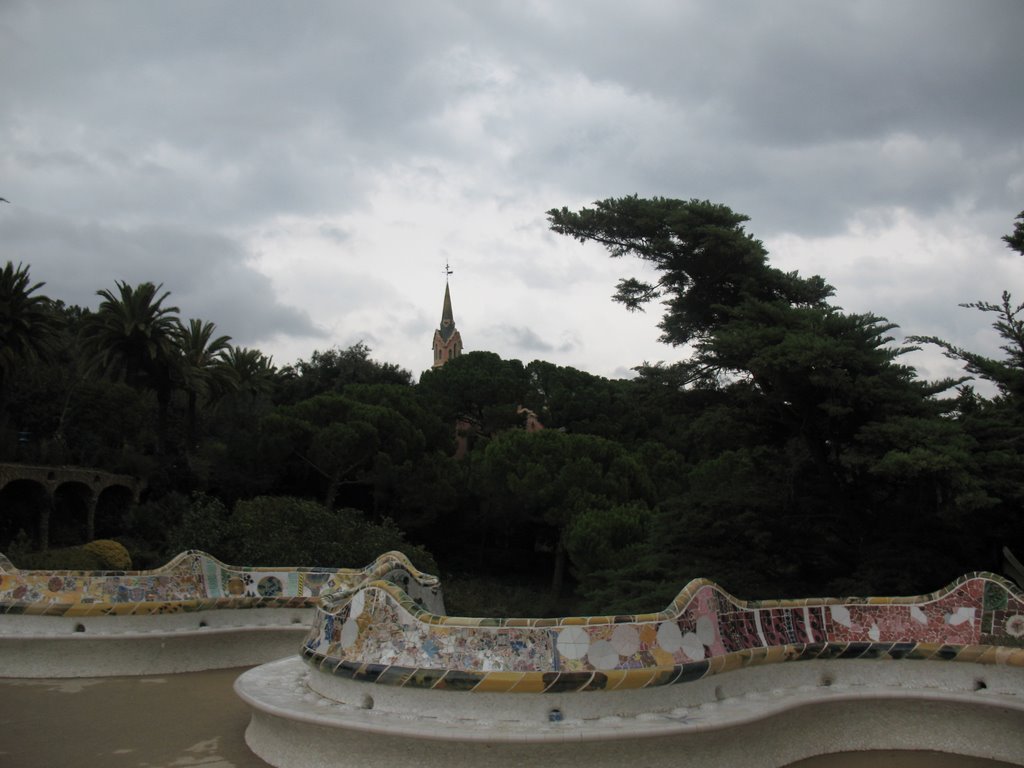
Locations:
447 270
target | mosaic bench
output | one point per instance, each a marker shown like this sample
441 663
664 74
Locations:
62 623
377 665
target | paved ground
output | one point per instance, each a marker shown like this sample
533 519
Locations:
195 719
191 719
897 760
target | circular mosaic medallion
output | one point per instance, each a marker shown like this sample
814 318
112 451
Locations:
602 655
235 586
692 646
573 642
670 638
269 586
1015 625
626 640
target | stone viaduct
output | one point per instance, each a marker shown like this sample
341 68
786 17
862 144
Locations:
83 486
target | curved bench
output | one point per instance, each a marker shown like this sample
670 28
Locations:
382 675
193 613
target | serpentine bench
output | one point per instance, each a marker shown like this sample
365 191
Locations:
193 613
386 680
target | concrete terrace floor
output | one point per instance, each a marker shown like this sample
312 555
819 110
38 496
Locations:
190 719
195 719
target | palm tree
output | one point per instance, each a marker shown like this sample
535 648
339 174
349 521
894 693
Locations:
28 326
204 369
132 335
253 371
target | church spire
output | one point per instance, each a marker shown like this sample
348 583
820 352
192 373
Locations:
446 311
447 340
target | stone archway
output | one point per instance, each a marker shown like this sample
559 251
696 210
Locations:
73 503
22 503
69 494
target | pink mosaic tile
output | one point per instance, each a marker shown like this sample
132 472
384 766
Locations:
380 634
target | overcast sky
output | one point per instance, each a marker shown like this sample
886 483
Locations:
300 174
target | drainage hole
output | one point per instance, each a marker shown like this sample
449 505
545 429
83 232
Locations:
826 681
79 627
202 624
719 693
367 702
555 716
980 685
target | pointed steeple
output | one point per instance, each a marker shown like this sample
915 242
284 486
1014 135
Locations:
447 317
447 340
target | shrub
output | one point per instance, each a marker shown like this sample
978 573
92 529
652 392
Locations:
278 530
62 559
112 553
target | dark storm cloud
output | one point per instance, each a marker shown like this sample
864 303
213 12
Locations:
789 111
218 112
161 140
228 113
206 273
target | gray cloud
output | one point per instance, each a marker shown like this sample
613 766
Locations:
206 273
157 141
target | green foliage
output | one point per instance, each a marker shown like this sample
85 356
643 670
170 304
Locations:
133 334
113 554
579 402
28 325
479 386
424 496
1015 240
542 482
406 401
811 455
332 440
272 530
253 378
708 264
62 559
335 369
203 369
154 520
995 427
790 453
204 524
598 537
1007 374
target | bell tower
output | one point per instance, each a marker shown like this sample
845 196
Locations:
447 340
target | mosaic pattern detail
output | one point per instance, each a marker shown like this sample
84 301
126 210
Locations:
376 633
196 581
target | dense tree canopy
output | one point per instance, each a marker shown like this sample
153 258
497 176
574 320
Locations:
28 324
788 451
709 266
